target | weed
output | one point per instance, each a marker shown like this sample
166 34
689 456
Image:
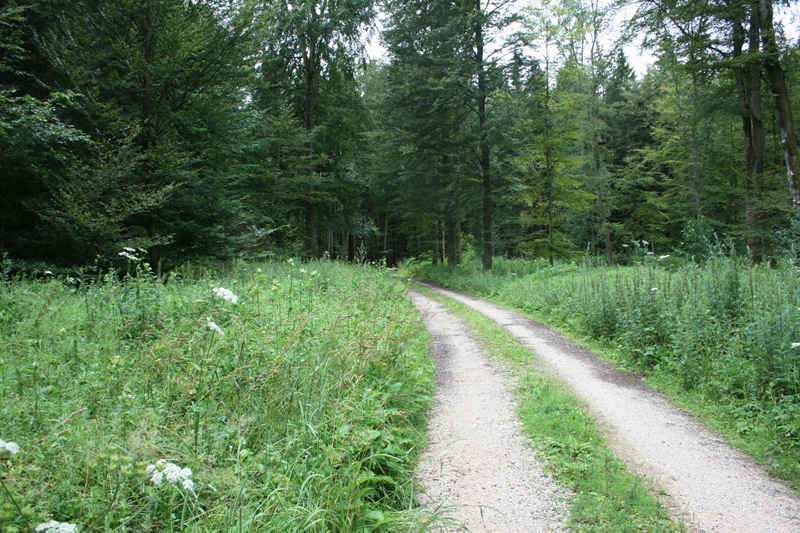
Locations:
294 393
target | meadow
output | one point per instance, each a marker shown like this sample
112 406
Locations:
278 396
720 336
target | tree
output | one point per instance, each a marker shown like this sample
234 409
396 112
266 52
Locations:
166 76
307 44
780 93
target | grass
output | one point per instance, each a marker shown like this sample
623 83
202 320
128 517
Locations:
720 337
607 496
299 408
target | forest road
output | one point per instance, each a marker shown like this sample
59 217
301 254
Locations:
715 488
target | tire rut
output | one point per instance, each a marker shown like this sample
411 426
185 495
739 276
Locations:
477 465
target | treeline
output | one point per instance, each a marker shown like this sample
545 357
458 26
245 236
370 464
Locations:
214 129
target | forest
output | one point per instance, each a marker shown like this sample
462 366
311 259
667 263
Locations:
219 129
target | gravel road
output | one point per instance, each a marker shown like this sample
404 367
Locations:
477 463
716 488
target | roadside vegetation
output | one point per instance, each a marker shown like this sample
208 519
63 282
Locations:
608 497
277 396
720 336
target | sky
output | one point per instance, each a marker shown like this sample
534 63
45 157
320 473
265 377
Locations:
639 59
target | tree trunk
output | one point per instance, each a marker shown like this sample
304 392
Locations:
598 191
485 161
309 66
780 93
696 172
449 239
436 251
749 82
549 170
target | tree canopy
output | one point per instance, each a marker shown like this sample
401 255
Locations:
215 129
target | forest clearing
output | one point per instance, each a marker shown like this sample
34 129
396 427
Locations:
204 205
279 396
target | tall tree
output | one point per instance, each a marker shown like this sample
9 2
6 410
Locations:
157 87
307 42
780 93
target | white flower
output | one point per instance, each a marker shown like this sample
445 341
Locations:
129 254
57 527
663 257
213 327
172 472
645 242
625 246
795 344
10 447
226 294
48 273
654 289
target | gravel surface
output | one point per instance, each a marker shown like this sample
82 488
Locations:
716 488
477 464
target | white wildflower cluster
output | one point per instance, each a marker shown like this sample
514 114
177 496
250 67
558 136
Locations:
57 527
128 254
226 295
214 327
10 447
172 472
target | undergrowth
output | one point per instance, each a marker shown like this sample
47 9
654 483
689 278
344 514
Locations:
272 397
607 496
721 336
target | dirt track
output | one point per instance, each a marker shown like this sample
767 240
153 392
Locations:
716 488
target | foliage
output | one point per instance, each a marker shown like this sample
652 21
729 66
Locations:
294 393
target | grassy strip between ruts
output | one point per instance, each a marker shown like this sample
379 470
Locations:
609 498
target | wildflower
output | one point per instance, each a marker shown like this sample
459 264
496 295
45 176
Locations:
663 257
795 344
172 472
645 242
625 246
48 273
654 289
213 327
57 527
128 254
226 295
10 447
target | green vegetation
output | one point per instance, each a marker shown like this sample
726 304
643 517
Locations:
720 336
229 129
608 497
295 393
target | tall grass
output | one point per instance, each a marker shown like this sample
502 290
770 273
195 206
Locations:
298 408
722 335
